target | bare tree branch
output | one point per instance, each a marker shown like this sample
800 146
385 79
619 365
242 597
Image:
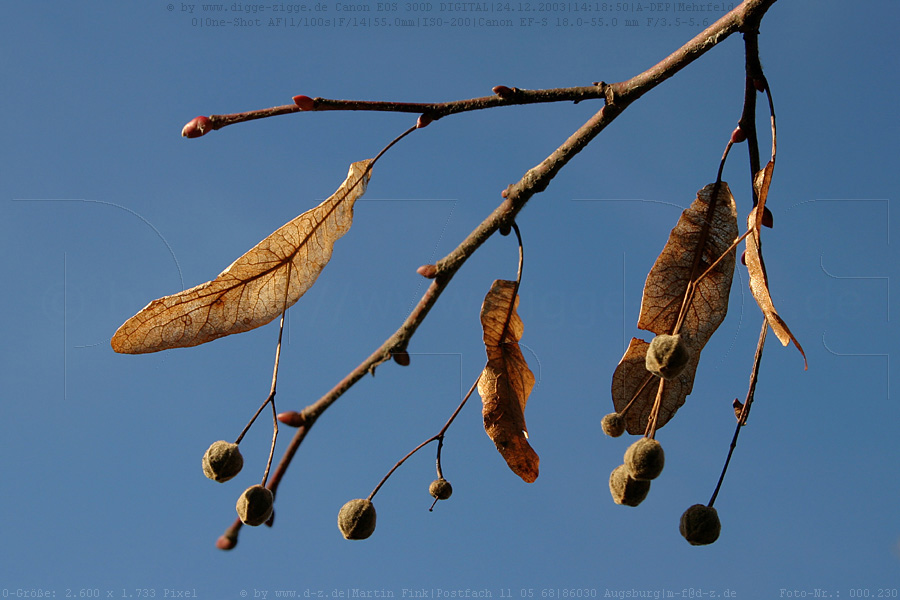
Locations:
744 18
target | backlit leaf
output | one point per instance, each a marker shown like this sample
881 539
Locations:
506 381
662 302
670 275
255 288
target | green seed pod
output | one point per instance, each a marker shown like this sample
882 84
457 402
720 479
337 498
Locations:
667 356
255 505
700 525
440 489
613 424
645 459
625 489
222 461
357 519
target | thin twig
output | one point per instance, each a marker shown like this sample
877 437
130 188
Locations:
437 436
745 411
435 110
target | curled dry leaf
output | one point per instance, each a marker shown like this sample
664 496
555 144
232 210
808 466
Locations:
662 303
256 288
756 267
759 285
506 381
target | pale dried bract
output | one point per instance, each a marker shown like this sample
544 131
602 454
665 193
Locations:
255 288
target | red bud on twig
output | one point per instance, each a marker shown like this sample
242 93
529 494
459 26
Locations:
427 271
226 543
292 418
196 127
305 102
401 358
760 85
503 91
738 135
767 220
424 120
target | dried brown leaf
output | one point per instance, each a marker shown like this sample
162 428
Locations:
506 381
255 288
662 301
670 275
632 378
761 182
759 284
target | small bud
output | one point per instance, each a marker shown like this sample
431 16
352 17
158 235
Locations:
613 424
222 461
738 135
503 91
401 358
440 489
667 356
427 271
255 505
196 127
700 525
357 519
424 120
768 220
304 102
760 85
292 418
505 229
625 489
744 258
645 459
504 193
226 542
738 409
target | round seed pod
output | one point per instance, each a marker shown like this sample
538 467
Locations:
440 489
613 424
700 525
222 461
625 489
667 356
357 519
645 459
255 505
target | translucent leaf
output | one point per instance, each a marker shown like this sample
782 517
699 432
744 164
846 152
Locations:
662 302
670 275
506 381
255 288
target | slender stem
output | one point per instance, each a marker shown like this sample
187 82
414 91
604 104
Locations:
272 392
745 411
258 411
437 436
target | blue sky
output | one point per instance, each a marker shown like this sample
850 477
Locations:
105 207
